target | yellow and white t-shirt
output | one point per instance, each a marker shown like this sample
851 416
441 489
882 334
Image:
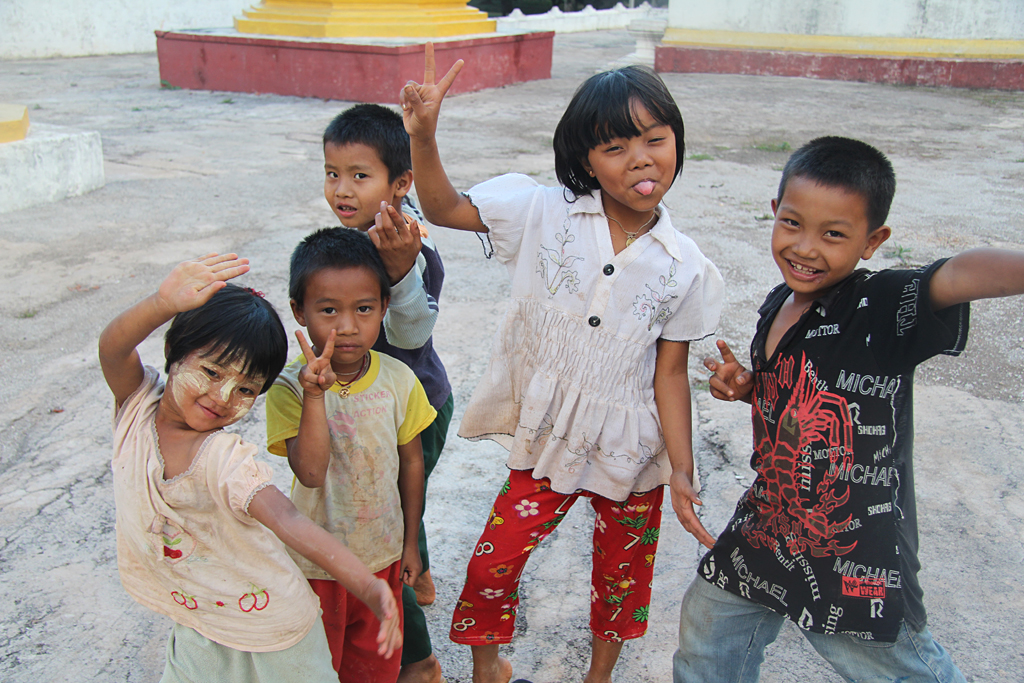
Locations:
359 502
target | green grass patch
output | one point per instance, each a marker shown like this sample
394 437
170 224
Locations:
700 157
26 314
772 146
166 85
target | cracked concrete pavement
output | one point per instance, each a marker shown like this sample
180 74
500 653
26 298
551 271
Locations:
192 172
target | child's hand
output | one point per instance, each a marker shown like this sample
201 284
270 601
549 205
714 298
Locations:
683 499
317 375
412 565
397 242
731 381
421 104
381 600
192 283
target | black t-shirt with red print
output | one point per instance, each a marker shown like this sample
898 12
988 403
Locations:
827 533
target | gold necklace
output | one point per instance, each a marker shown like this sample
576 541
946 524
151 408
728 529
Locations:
343 386
631 236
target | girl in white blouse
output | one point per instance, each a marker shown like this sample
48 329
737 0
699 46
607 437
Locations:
587 384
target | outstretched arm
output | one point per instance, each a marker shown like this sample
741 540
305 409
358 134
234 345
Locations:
731 381
190 285
672 396
421 105
273 509
977 274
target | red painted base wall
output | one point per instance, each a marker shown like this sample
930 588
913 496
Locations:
341 71
999 74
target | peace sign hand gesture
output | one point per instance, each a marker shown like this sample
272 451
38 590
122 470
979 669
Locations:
421 103
317 375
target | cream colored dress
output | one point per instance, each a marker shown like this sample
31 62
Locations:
187 547
569 389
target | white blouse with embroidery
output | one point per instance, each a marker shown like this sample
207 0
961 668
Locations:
569 389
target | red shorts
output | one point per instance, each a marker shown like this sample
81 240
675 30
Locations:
524 513
352 630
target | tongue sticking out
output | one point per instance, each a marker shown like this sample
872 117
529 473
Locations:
644 187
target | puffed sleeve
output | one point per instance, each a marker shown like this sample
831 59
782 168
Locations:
505 204
697 315
234 476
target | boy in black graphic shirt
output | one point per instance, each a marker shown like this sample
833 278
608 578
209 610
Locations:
827 533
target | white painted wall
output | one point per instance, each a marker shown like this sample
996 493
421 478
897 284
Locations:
964 19
71 28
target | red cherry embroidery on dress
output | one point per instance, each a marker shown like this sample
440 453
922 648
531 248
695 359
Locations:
185 600
171 553
257 600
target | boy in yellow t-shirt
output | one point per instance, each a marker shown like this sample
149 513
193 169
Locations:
348 419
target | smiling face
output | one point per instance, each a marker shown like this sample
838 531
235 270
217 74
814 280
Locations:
635 173
346 300
207 395
356 182
820 235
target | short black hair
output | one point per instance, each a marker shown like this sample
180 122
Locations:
334 248
377 127
603 109
847 164
236 324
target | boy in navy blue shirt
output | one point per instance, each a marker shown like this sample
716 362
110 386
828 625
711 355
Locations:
367 177
827 533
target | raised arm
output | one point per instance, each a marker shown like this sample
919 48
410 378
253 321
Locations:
272 509
190 285
672 396
309 451
977 274
421 105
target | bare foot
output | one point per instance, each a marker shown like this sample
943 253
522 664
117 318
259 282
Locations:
424 671
500 673
424 587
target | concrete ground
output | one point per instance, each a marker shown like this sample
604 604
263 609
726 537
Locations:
193 172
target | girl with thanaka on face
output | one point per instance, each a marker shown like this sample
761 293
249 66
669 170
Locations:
587 385
199 525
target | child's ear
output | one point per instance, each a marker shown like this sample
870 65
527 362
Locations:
775 206
402 185
385 300
875 240
297 312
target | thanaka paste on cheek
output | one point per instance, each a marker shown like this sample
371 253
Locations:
191 380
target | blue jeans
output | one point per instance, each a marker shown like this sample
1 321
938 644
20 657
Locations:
722 638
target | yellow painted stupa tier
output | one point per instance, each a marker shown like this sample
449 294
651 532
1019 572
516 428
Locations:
375 19
13 122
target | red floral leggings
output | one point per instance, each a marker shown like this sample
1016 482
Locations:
524 513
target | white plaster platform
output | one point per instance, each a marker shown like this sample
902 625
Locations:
51 163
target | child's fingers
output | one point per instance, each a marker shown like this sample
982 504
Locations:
428 64
727 354
307 351
329 348
449 77
411 99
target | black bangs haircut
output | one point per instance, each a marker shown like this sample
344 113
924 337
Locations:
377 127
334 248
847 164
603 109
236 324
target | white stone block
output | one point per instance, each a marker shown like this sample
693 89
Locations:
51 163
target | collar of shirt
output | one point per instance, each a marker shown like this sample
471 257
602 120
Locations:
662 230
